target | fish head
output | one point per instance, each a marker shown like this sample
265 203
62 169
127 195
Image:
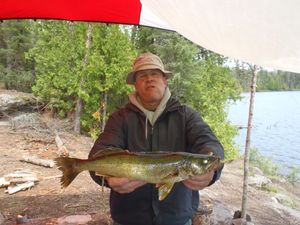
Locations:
201 164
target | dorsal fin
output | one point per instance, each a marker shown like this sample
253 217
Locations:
108 151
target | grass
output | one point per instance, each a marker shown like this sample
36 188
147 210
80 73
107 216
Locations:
266 164
271 169
293 176
269 188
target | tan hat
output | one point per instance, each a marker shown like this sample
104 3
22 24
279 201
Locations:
146 61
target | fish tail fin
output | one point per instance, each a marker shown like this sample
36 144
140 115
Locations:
68 168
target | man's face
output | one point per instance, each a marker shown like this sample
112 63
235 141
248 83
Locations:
150 85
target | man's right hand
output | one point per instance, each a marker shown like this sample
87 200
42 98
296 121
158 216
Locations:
123 185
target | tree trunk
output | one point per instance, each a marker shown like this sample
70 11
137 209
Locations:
104 110
247 146
78 110
79 102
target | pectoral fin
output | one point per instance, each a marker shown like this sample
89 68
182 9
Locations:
164 190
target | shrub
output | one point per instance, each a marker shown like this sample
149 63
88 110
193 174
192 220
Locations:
294 175
266 164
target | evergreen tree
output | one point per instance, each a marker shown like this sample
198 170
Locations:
67 70
15 39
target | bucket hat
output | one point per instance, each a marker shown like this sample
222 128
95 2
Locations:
146 61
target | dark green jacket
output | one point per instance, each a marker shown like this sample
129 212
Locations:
179 128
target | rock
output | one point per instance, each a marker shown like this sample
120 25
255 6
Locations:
12 102
221 215
284 199
258 181
290 215
9 101
274 199
256 171
240 221
74 220
238 214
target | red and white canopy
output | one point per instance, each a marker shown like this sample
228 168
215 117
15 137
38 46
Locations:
263 32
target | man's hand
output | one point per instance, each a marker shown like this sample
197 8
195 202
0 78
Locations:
123 185
199 182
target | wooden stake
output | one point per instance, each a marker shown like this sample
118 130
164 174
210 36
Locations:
247 146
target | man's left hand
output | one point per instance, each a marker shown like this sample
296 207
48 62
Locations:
199 182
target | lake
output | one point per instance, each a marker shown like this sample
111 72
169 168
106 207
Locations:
275 125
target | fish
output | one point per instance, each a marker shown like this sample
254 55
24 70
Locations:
161 168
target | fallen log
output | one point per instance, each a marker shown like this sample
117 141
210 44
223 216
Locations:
19 187
38 161
20 177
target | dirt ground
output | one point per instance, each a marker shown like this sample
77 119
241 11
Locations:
46 201
260 206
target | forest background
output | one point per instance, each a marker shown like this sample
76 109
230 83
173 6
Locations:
79 71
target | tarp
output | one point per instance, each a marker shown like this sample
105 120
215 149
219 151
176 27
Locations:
262 32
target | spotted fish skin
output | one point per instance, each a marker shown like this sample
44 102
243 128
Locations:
161 168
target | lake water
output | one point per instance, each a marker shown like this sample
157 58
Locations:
275 125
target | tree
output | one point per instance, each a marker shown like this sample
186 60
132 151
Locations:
58 59
89 72
15 39
209 92
267 80
79 101
110 60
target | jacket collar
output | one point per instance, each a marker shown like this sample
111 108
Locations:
172 104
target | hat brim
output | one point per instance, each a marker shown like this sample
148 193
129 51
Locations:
130 76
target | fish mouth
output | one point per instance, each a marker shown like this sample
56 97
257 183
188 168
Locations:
215 165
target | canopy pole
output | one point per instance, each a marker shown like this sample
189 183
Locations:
248 137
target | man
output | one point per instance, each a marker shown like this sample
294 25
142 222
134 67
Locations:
153 121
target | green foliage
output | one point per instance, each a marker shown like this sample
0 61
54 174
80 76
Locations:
278 80
266 80
269 188
15 39
294 175
57 63
208 93
266 164
109 61
67 70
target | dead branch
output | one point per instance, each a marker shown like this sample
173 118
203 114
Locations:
38 161
19 187
20 177
63 151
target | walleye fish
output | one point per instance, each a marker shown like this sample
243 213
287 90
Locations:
160 168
